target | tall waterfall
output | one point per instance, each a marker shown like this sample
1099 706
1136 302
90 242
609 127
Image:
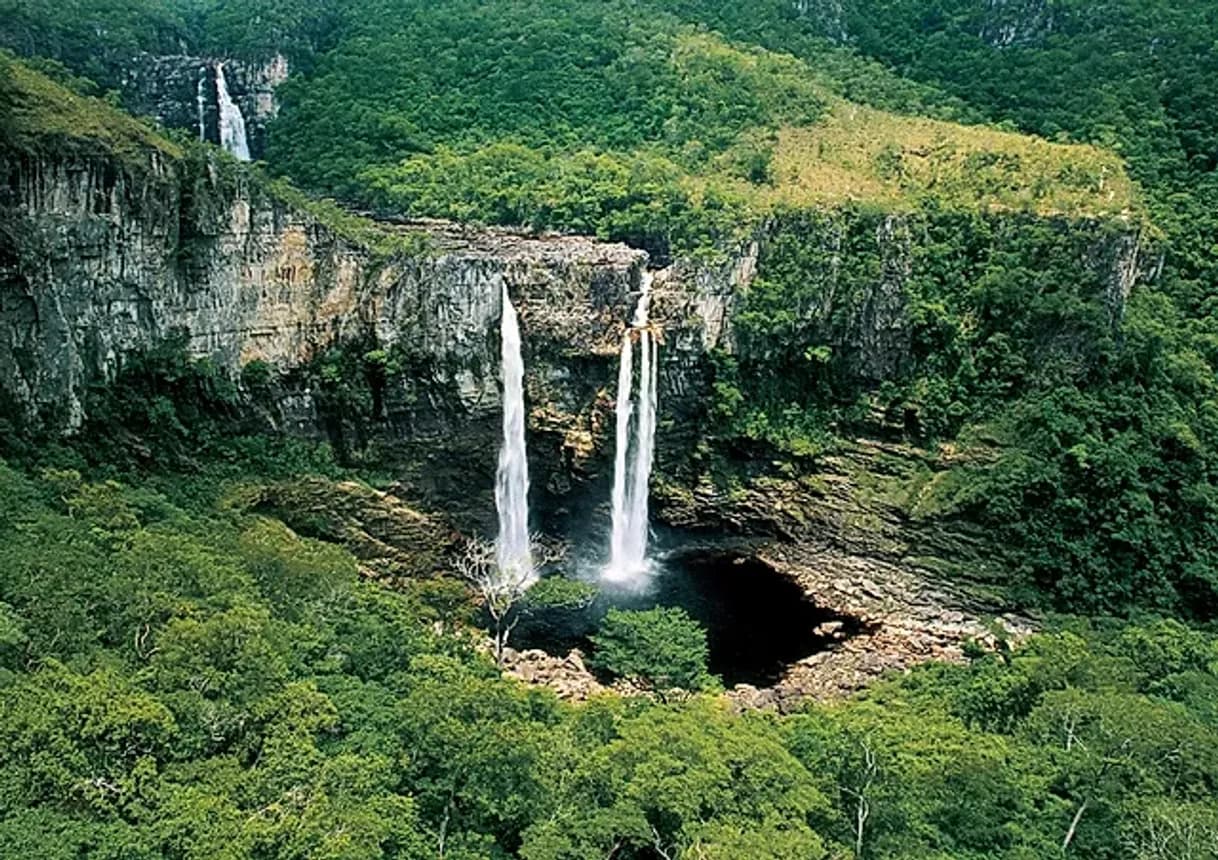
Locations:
634 447
201 103
232 123
513 551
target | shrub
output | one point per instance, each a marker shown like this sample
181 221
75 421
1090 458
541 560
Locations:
659 649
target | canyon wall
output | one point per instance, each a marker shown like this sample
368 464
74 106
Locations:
384 338
99 261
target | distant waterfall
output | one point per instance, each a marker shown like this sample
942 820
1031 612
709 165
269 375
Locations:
232 123
635 450
201 103
513 551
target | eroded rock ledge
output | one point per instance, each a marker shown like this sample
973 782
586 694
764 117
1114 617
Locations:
913 592
919 591
908 616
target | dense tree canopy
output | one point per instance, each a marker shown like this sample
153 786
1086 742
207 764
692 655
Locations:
180 677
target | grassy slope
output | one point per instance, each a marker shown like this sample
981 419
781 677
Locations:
39 115
704 108
860 154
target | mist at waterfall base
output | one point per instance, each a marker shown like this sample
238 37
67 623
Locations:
758 622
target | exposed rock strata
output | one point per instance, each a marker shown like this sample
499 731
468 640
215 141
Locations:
97 262
918 591
392 540
909 616
853 551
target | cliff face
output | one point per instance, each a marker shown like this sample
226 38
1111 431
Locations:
179 91
1016 22
390 348
827 16
98 261
863 274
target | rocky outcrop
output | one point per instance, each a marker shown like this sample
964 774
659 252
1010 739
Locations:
392 540
865 278
98 261
827 17
907 615
915 591
568 676
1006 23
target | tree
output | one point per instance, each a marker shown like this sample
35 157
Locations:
688 781
1110 747
658 649
502 590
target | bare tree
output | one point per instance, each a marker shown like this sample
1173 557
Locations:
1174 832
502 586
861 794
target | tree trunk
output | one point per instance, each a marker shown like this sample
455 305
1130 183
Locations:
1078 816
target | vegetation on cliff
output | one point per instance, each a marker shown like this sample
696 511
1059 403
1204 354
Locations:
40 116
1098 474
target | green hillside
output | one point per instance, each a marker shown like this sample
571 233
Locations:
627 122
40 115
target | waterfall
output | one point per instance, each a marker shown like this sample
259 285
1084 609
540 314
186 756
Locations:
201 103
634 451
513 551
232 123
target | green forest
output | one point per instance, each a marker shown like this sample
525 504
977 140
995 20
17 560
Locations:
185 677
189 672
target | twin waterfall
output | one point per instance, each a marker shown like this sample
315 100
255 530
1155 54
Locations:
513 551
632 463
232 123
633 454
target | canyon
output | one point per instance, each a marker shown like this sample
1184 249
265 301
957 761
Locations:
103 257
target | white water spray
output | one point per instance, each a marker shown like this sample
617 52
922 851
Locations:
635 450
201 103
232 123
513 552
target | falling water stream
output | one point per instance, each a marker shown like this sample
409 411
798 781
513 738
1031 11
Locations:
232 123
634 449
201 103
513 552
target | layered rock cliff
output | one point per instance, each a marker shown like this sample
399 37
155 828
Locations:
99 261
